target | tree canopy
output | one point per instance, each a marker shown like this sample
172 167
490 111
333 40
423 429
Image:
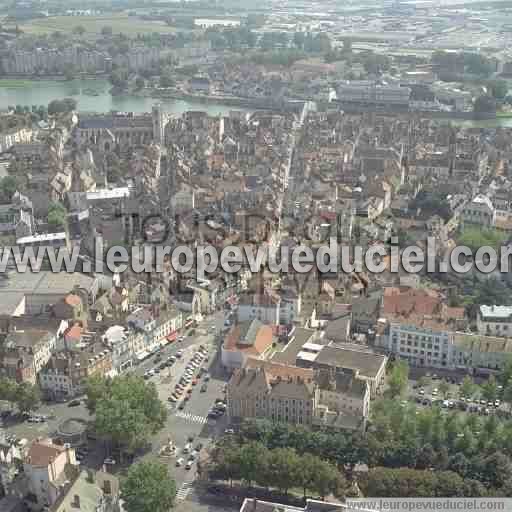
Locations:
148 488
128 410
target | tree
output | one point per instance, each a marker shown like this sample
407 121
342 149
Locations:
106 31
485 104
96 387
468 387
282 468
507 393
28 397
490 389
57 214
444 388
399 378
129 411
8 388
148 488
79 30
61 106
8 186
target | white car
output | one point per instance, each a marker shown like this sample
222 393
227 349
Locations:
109 461
180 462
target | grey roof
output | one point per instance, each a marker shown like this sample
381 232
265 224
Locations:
289 354
43 282
9 301
368 363
249 331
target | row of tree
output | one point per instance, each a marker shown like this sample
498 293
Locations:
23 395
279 468
402 436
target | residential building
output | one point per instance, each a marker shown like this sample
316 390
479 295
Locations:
90 492
480 212
420 326
479 353
66 372
250 338
26 352
346 358
494 320
263 306
45 468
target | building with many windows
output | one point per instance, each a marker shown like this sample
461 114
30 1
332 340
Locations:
495 320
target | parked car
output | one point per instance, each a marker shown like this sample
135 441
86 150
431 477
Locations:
180 462
109 461
74 403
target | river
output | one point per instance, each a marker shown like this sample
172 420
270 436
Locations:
41 92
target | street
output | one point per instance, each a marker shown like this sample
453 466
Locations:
192 421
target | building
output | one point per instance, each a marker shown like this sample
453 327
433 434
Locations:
255 505
360 361
25 353
263 306
90 492
121 129
216 22
479 212
45 468
246 339
494 320
420 326
273 391
370 93
66 372
481 354
285 393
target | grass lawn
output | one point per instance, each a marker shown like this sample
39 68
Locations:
93 24
14 83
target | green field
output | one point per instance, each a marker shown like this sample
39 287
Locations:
93 25
14 83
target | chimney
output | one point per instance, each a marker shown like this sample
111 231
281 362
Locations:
76 501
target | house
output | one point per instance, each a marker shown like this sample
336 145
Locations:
67 371
90 492
475 352
494 320
363 362
479 212
263 306
47 467
250 338
26 352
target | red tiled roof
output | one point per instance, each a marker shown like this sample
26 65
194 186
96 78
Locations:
41 452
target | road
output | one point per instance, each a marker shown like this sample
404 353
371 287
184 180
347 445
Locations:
192 421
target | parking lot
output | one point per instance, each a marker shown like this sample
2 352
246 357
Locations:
428 391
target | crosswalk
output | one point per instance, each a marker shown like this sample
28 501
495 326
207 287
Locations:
184 491
194 418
